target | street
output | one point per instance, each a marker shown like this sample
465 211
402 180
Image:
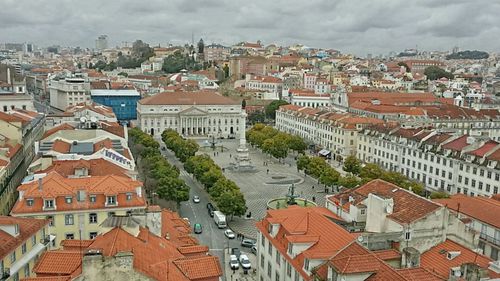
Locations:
211 235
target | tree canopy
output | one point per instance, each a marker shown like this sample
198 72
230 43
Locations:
274 142
271 108
471 55
435 72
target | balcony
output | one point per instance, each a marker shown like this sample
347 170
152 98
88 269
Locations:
489 239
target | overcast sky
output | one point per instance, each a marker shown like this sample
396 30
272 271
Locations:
352 26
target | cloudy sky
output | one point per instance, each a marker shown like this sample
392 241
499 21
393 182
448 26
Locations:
355 26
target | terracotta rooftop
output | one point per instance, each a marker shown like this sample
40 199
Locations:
436 260
27 228
408 207
456 144
315 222
66 263
96 167
480 208
485 148
188 98
48 278
63 126
58 187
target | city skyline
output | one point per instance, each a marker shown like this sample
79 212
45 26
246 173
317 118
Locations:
380 27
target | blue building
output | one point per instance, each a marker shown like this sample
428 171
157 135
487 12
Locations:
123 102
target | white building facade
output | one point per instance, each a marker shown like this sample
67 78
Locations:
69 91
190 114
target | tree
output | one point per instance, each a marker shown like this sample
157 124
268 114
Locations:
210 177
439 195
352 165
232 203
256 117
407 69
316 166
370 172
201 46
435 72
303 162
329 177
271 108
349 181
221 186
124 74
297 144
173 189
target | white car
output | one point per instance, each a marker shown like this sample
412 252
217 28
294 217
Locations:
229 233
245 262
233 262
196 199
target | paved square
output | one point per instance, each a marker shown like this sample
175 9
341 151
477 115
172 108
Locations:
260 186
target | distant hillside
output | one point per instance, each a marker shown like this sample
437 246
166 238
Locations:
471 55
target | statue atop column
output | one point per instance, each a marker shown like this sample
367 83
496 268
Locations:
242 158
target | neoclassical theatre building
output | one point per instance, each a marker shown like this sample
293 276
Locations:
200 113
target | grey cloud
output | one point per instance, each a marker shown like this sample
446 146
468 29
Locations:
357 26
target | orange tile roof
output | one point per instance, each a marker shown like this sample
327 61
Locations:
199 268
435 259
188 98
389 254
311 221
408 207
61 146
27 228
477 207
96 167
419 274
390 98
59 263
56 186
48 278
75 245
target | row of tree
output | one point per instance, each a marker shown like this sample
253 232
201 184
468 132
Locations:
182 148
159 176
225 193
318 168
274 142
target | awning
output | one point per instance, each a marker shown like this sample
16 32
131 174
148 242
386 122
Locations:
324 152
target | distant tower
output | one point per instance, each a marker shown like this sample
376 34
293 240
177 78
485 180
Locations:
102 42
201 46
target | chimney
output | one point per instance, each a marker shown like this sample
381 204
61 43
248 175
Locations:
40 184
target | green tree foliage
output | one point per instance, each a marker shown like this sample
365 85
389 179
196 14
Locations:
349 181
232 202
159 175
439 195
370 172
469 55
329 177
435 72
297 144
352 165
274 142
182 148
176 62
256 117
316 166
303 161
271 108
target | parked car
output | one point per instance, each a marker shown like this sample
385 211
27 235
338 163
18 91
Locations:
254 250
233 262
197 228
196 199
229 233
236 252
249 243
211 209
245 262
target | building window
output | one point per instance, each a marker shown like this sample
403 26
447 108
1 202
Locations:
277 276
92 218
306 264
262 260
288 269
111 214
269 248
51 220
33 240
290 248
29 202
269 269
110 200
92 198
16 277
13 257
70 236
129 196
23 249
69 199
68 220
262 239
27 270
92 235
363 211
278 257
49 204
